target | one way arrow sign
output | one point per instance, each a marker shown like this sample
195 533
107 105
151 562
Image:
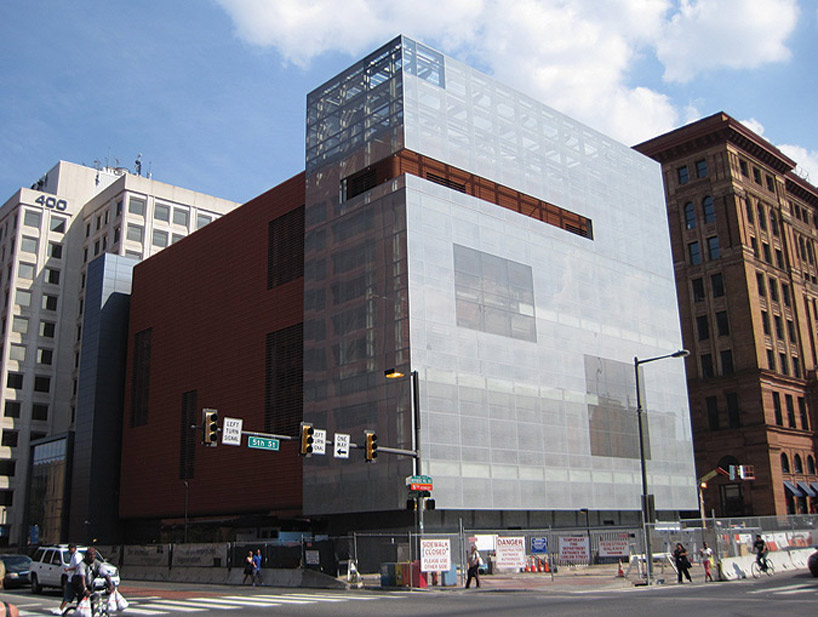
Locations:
341 445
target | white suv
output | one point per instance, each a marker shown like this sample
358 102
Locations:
48 568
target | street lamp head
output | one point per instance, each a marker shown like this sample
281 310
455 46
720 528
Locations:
392 374
682 353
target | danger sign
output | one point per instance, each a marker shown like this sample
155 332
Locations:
510 552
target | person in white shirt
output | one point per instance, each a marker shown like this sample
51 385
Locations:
69 591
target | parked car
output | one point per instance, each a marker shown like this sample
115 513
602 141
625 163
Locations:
48 568
17 570
812 564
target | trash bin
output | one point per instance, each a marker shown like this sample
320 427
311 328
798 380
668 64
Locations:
389 575
449 578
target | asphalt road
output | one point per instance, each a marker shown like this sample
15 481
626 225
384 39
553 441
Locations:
792 594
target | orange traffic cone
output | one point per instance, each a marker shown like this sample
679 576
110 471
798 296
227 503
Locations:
621 573
539 565
528 565
545 565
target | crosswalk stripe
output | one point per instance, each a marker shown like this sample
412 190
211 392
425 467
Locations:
282 598
132 610
199 602
244 602
309 597
171 607
778 589
794 591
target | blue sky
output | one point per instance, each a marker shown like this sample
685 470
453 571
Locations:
212 92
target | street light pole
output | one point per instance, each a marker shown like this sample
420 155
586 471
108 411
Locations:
416 417
647 499
415 394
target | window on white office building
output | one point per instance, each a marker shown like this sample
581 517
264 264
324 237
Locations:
57 224
29 245
181 217
202 220
25 271
136 206
17 352
161 212
52 276
160 238
19 324
23 297
45 356
32 218
135 232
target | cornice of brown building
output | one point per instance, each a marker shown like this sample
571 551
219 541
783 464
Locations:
800 188
712 130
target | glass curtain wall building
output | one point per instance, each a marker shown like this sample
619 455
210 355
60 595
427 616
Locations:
518 261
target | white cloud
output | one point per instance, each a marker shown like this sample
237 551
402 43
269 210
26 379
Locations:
754 125
575 55
734 34
807 161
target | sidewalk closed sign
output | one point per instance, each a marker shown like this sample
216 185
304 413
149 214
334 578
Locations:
574 549
510 553
435 555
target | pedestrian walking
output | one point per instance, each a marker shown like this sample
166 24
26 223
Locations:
257 559
682 562
706 554
248 568
474 563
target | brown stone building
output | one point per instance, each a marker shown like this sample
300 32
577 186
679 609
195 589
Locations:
744 228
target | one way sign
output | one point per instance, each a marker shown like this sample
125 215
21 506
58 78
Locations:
341 446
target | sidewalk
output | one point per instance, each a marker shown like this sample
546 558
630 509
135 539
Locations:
566 579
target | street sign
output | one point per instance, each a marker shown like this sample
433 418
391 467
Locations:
231 431
419 483
262 443
341 445
319 441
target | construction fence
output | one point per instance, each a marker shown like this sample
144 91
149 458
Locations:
398 558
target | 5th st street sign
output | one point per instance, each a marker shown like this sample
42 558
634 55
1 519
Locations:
262 443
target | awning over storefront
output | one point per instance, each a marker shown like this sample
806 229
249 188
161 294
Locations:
793 489
807 489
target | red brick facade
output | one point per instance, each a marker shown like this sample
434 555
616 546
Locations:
210 305
743 228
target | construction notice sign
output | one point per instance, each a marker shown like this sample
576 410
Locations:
574 549
614 548
510 552
435 555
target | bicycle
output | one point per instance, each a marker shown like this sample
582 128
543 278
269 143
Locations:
757 570
99 604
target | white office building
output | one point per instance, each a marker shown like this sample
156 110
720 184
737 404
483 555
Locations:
49 234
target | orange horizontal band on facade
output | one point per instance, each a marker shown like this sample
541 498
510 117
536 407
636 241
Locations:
408 162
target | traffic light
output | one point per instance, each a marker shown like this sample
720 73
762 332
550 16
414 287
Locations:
210 427
371 446
306 439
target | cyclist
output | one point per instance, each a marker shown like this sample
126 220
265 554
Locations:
89 569
760 549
